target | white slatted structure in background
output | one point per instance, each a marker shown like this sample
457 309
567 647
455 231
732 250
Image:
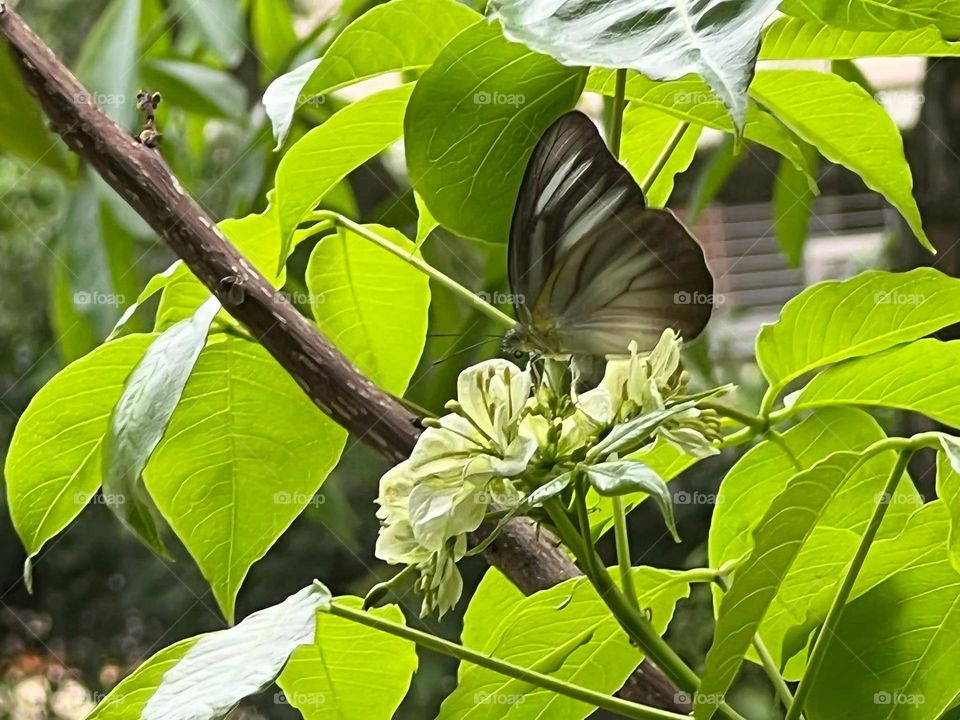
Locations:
753 276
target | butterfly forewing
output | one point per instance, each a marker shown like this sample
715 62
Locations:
596 267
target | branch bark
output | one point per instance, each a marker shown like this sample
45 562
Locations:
141 177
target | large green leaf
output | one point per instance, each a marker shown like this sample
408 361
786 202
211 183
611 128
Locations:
108 64
838 320
473 121
243 455
53 467
203 678
662 39
220 23
338 676
327 154
371 304
893 655
691 100
397 36
777 539
761 475
848 127
880 15
795 39
139 420
565 631
22 130
921 376
647 137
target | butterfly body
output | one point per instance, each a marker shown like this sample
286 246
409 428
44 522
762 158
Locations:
591 267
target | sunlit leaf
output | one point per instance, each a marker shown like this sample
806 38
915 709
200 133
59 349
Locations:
565 631
327 154
838 320
880 15
396 36
244 453
847 127
338 676
920 376
371 304
53 468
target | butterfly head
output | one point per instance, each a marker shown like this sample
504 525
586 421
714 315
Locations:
516 342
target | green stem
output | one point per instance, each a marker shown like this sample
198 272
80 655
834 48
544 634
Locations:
445 647
468 296
778 440
773 672
744 418
637 627
616 113
661 163
623 552
822 643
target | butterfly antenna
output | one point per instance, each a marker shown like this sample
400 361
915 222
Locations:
450 356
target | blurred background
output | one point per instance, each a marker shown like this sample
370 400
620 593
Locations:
72 256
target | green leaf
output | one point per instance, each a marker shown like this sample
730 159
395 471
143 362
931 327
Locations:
692 100
848 127
271 26
243 455
663 40
761 475
371 304
140 418
327 154
795 39
566 630
338 676
647 135
53 467
838 320
663 457
894 653
220 23
197 88
398 36
473 121
23 131
880 15
629 436
108 63
778 538
920 376
623 477
792 207
204 677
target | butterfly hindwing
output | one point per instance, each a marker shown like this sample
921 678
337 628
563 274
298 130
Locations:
596 267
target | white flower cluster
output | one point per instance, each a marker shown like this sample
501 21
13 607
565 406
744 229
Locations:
502 425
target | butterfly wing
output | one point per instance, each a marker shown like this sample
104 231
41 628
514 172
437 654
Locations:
595 266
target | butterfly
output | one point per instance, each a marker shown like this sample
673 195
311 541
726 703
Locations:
591 267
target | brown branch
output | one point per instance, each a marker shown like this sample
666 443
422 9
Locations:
142 178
